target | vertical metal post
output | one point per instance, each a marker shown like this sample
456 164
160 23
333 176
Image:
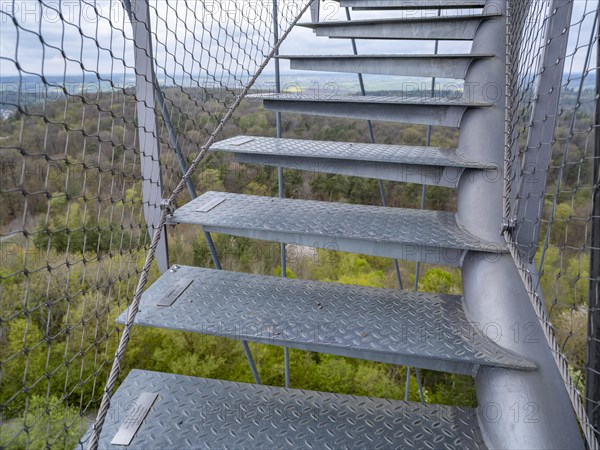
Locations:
172 135
278 122
532 183
566 149
592 381
494 293
286 363
152 186
286 351
315 8
281 192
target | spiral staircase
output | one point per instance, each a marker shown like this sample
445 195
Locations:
472 335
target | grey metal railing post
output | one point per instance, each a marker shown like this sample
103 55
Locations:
592 381
532 184
250 359
315 9
160 99
152 185
535 412
147 84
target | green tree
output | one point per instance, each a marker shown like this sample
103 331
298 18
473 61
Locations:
442 281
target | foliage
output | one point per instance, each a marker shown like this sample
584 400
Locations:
57 334
442 281
51 423
75 226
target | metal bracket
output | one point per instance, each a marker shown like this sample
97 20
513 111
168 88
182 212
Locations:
244 141
168 206
169 297
508 225
134 419
210 204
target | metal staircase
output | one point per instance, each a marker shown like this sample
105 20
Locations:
423 330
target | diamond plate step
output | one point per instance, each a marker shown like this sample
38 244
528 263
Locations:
194 413
411 4
402 163
421 27
416 235
418 110
440 66
429 331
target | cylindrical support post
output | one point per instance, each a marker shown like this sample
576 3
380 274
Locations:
517 409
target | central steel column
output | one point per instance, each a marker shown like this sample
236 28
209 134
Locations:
517 409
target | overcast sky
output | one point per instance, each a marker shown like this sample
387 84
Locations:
97 34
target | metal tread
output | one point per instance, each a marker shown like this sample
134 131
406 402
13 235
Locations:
403 163
393 56
426 110
439 65
400 20
425 330
200 413
375 99
421 27
417 235
412 4
396 154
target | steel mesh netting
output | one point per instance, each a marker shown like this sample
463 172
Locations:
206 53
73 230
551 133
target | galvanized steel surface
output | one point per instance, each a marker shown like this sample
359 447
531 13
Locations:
294 220
431 330
395 154
199 413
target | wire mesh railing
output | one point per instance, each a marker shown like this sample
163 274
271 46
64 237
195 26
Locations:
76 128
551 147
75 229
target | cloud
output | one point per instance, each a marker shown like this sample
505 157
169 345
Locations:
196 39
57 37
